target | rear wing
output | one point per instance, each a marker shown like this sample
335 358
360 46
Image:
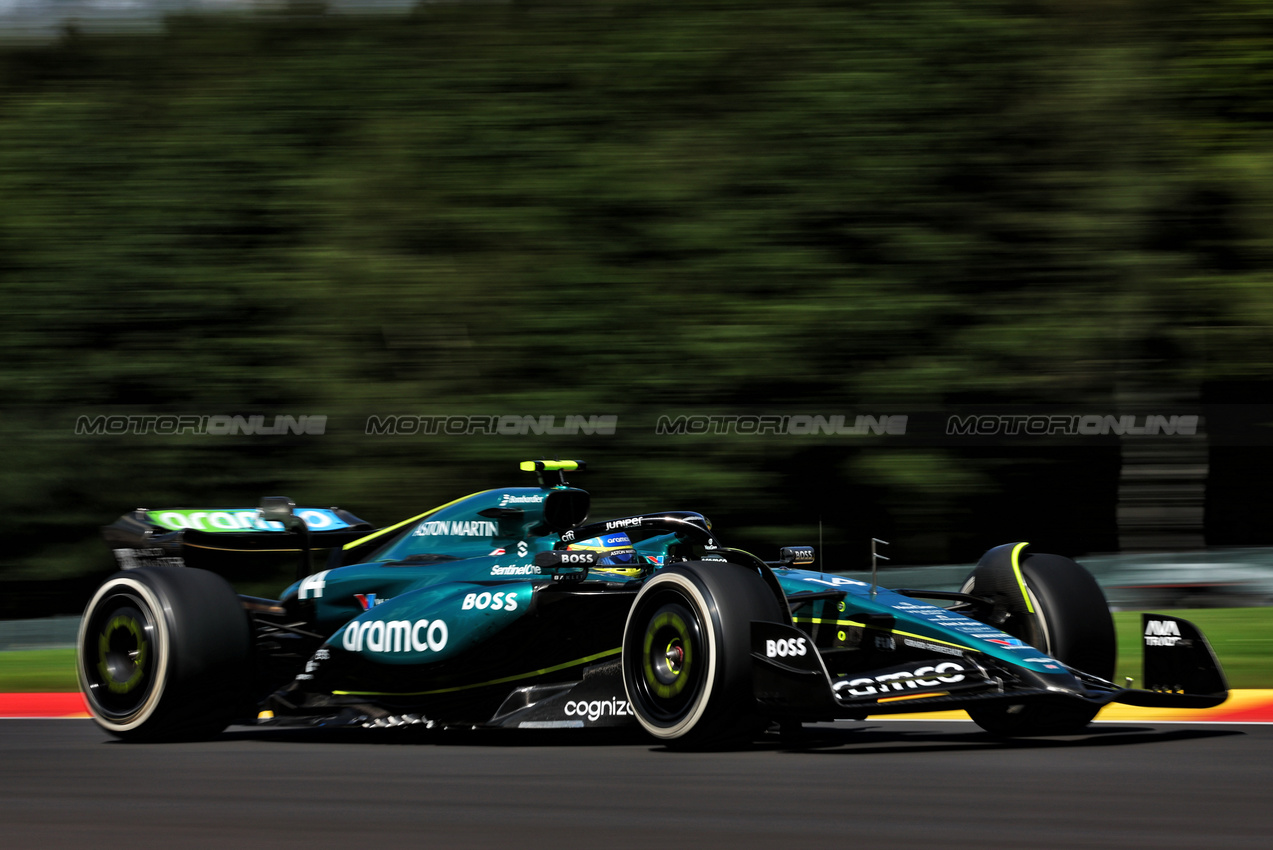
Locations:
218 539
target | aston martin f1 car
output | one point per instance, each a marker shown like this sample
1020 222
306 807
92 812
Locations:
506 608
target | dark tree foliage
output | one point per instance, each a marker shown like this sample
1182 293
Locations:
634 209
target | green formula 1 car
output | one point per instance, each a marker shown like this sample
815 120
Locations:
506 608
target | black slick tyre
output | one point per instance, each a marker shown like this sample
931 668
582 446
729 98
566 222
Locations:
1070 622
165 653
687 653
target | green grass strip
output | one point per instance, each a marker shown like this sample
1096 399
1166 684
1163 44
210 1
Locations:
1241 637
38 671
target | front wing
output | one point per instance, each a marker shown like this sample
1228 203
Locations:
790 678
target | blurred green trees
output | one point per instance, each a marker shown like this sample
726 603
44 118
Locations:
633 209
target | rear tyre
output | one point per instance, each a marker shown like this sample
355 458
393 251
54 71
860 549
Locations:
687 653
1071 622
165 653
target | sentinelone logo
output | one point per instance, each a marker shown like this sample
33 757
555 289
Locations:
1071 425
798 424
214 425
513 426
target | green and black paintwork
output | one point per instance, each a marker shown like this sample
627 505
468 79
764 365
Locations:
449 617
457 616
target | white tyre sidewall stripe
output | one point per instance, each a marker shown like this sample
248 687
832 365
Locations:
688 722
162 642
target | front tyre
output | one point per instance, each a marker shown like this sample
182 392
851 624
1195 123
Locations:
164 653
1070 621
687 653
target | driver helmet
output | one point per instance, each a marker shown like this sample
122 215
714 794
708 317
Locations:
614 553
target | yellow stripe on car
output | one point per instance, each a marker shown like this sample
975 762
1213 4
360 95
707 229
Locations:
927 695
1016 570
225 549
820 620
395 527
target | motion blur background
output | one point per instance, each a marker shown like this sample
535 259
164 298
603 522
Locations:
639 209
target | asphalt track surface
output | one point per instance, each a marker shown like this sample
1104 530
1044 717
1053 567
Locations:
890 784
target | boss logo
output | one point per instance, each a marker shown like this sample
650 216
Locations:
496 601
785 647
577 558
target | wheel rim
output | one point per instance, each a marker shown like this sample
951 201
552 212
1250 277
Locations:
673 656
118 655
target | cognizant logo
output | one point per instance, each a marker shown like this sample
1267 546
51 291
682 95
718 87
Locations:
597 708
